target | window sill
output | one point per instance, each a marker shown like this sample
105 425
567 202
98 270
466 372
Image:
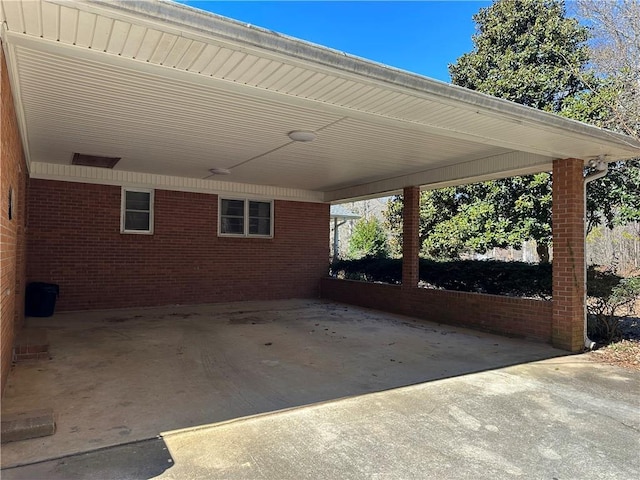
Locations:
230 235
135 232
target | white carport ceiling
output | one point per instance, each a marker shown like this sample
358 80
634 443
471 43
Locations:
174 92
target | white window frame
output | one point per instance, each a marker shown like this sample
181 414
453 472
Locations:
123 210
245 233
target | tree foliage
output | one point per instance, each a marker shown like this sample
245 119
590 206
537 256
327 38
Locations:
615 56
368 239
610 297
529 52
612 102
481 216
526 51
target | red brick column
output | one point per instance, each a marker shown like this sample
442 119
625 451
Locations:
568 255
410 240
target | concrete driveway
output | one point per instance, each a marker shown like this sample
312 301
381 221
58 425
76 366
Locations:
152 386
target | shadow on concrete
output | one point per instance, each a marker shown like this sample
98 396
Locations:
141 460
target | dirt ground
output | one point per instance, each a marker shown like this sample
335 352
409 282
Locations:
626 352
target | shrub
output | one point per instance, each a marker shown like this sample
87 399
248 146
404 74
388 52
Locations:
489 276
368 240
369 269
609 297
492 277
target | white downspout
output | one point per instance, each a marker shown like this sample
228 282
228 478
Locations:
336 237
602 169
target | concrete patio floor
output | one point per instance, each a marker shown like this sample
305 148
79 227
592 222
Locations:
564 418
122 376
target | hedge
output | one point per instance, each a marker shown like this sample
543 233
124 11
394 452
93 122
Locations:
485 276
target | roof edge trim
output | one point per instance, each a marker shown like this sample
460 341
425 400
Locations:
208 24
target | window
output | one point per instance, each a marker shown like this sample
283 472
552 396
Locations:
245 218
137 211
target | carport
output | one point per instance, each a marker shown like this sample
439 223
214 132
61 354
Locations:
155 155
199 157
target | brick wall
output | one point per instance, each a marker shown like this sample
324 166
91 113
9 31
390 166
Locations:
503 315
74 240
13 177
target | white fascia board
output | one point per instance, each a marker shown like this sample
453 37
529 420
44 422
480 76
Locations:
137 67
183 19
490 168
103 176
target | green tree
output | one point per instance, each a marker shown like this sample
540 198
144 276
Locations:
615 198
368 239
529 52
614 53
526 51
478 217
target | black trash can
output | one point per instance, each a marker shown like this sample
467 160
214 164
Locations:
40 299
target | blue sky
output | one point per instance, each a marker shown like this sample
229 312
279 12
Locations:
421 37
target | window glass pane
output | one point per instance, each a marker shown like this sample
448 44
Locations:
232 207
260 209
232 225
259 226
138 200
136 221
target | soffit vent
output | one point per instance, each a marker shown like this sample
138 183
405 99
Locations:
94 160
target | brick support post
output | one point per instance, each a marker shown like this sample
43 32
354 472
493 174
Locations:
568 255
410 240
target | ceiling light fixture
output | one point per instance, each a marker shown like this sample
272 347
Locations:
219 171
302 136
